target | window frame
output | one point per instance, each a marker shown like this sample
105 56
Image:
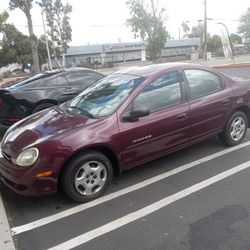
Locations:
222 83
184 97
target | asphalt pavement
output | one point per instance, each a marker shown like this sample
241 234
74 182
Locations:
212 217
238 73
196 198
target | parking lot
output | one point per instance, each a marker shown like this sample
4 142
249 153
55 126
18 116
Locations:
197 198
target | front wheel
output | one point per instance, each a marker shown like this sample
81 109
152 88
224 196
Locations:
87 176
235 129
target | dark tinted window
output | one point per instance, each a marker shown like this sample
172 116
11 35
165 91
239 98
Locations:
32 81
163 92
83 78
49 82
61 81
202 82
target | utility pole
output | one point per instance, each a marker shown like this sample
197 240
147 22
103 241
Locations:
46 41
205 29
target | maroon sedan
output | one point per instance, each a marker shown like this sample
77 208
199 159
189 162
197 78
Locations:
127 118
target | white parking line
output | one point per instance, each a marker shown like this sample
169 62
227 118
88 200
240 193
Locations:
6 241
80 208
79 240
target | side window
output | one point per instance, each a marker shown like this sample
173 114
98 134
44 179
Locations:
83 79
61 81
163 92
49 82
44 82
202 82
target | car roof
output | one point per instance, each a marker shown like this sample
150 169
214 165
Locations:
66 70
152 69
48 74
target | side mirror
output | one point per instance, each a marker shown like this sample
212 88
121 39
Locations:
134 115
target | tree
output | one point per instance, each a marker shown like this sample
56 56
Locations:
3 18
186 29
214 43
58 20
198 31
16 47
234 38
25 6
244 27
147 22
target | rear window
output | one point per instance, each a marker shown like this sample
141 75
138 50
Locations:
33 79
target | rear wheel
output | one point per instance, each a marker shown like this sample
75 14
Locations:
235 129
87 176
42 107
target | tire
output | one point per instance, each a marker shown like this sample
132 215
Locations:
42 107
86 176
235 129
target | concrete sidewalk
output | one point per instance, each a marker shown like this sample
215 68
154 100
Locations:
240 61
217 62
6 240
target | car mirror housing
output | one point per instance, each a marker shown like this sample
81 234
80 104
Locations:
135 114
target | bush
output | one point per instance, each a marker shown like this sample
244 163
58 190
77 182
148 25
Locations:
6 74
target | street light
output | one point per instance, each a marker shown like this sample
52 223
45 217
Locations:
228 36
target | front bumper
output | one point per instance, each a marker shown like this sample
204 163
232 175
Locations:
24 181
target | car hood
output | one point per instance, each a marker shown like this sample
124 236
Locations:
41 126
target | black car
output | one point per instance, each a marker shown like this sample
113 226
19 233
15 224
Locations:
42 91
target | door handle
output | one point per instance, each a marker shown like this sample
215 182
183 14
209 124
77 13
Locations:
182 116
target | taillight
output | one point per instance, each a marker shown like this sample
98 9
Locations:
1 101
14 119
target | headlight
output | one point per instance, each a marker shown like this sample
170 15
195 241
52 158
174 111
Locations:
26 158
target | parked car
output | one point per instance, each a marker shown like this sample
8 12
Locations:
42 91
123 120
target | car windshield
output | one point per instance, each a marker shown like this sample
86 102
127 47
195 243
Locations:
105 96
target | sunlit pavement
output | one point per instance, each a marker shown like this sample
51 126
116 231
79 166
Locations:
197 198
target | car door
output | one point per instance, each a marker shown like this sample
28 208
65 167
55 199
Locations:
164 129
210 100
43 88
64 91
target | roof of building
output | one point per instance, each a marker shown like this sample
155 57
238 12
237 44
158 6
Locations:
115 47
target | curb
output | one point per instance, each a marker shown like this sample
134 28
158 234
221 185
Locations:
230 66
6 242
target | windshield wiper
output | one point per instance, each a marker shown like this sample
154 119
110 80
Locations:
83 111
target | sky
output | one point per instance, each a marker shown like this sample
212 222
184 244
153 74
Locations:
104 21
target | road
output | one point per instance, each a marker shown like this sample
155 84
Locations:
197 198
240 73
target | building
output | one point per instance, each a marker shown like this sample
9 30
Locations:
125 52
